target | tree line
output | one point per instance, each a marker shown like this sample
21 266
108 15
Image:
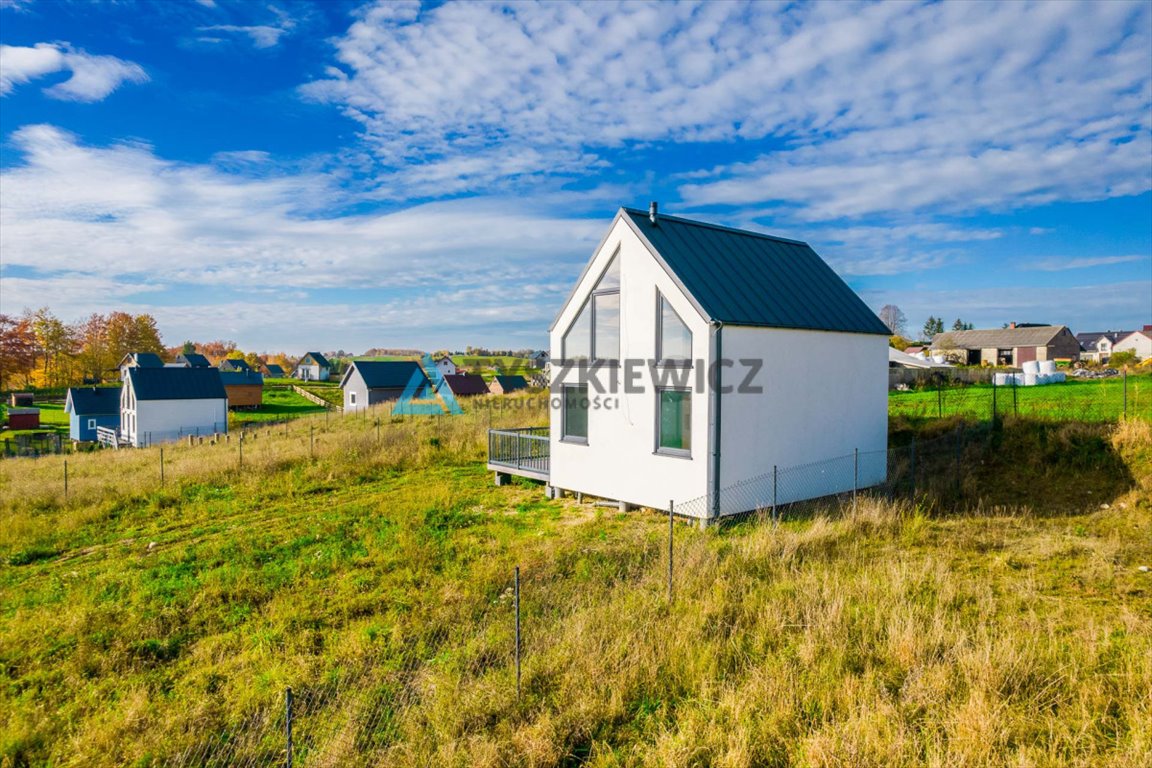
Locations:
38 349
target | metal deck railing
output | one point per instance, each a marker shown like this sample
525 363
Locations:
523 452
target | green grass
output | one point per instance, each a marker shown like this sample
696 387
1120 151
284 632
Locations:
1082 400
141 620
53 418
277 405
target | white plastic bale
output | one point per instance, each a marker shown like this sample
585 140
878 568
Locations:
1047 367
1030 379
1031 367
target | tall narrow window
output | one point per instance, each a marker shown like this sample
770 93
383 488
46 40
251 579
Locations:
673 339
574 418
674 425
595 333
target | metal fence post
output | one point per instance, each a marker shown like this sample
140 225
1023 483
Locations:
855 476
161 466
956 464
517 602
288 727
775 519
993 398
939 399
377 429
1125 393
311 441
65 478
241 445
671 507
1015 410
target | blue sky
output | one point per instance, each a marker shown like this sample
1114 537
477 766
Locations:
347 175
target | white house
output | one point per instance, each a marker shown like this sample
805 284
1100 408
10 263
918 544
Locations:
312 367
690 359
1139 342
164 404
446 365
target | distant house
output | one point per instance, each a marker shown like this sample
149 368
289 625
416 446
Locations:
312 367
21 399
1097 345
466 384
193 360
505 385
274 371
139 360
540 359
371 382
446 365
89 408
234 364
164 404
245 389
1012 346
1139 342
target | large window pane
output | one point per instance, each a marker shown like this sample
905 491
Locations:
675 420
578 339
606 344
575 415
673 339
610 280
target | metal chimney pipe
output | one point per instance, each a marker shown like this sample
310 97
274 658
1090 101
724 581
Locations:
652 211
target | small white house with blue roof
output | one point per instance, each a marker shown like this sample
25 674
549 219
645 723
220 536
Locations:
89 408
690 359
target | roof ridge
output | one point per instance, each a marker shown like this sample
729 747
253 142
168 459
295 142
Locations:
720 227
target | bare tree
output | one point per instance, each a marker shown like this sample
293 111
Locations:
893 317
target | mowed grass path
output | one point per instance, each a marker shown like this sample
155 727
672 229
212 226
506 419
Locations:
1074 400
141 621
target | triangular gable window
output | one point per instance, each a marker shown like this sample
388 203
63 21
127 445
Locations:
595 333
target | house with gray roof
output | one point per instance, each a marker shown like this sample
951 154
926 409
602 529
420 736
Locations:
1012 346
234 364
274 371
312 367
372 382
507 384
89 408
465 384
691 358
165 404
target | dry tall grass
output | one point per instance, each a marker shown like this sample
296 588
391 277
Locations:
374 581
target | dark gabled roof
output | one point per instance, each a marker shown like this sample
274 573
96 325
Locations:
193 360
512 383
94 401
1001 338
463 384
746 278
241 378
386 374
176 383
234 364
1090 339
275 371
143 360
317 359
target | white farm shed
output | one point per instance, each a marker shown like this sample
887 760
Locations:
164 404
690 359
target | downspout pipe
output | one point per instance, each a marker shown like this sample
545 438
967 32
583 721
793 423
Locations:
717 401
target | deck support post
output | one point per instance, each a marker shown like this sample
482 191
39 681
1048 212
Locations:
502 478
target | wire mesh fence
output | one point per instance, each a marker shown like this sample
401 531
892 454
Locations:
1096 399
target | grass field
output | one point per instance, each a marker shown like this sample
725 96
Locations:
277 405
52 419
1075 400
143 620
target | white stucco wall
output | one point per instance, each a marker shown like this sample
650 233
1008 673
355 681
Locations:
824 395
1137 342
619 462
159 421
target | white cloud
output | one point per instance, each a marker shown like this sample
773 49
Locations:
93 77
867 108
1061 264
262 36
141 231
